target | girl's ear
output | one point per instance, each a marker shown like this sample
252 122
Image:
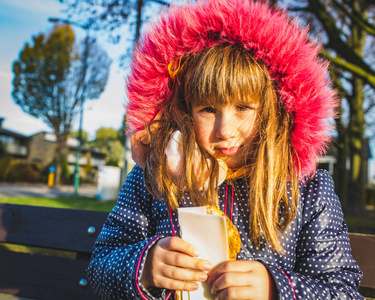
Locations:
140 142
140 147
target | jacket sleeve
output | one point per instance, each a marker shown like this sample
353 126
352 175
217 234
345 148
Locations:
134 225
325 268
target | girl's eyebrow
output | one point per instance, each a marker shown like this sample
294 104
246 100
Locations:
245 103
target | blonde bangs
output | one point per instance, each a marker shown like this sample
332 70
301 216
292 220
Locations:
223 74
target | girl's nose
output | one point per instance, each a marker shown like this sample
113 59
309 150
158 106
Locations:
225 127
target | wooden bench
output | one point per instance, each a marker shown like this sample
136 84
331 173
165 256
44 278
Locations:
363 250
70 235
64 239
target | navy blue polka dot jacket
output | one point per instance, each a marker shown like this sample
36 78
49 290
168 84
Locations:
317 263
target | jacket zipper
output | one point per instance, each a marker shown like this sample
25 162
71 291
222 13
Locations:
229 193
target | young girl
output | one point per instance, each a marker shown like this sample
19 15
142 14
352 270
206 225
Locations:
247 95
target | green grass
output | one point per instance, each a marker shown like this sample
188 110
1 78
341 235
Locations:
84 203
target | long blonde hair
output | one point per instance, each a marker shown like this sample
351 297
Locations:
221 74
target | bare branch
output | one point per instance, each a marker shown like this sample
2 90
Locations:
368 77
357 18
160 2
335 41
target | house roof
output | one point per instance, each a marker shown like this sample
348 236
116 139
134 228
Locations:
4 131
7 132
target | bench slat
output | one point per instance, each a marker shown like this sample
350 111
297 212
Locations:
43 277
363 251
54 228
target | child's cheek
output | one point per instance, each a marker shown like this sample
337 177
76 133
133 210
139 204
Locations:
203 136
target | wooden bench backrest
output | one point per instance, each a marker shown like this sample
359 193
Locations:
47 276
363 250
52 277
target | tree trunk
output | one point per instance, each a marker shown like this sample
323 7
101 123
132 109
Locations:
60 151
340 171
357 179
356 184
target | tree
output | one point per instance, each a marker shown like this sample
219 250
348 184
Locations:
107 141
84 136
348 36
54 76
112 16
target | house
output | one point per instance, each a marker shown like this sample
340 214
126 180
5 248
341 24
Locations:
40 148
15 143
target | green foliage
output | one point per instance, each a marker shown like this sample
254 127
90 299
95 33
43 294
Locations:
53 76
115 153
19 171
103 136
23 172
40 71
84 136
370 196
65 174
77 202
107 141
6 164
88 167
121 133
3 149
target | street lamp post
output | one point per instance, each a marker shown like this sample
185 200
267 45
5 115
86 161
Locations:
81 97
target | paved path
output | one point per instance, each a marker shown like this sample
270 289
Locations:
42 190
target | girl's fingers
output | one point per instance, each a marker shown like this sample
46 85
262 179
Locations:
185 261
179 245
174 259
240 266
182 254
242 280
175 285
228 280
182 274
235 293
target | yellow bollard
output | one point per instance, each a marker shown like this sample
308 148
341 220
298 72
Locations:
51 178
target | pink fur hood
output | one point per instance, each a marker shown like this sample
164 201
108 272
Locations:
299 74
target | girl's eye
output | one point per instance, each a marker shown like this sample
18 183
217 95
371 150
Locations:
208 109
243 108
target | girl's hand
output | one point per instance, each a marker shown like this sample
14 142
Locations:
172 264
242 280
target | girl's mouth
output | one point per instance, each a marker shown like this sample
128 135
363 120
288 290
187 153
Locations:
229 151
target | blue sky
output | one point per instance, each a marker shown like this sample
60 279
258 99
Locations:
19 21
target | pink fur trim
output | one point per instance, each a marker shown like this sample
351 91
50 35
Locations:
300 75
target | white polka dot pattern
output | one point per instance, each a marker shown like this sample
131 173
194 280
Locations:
316 264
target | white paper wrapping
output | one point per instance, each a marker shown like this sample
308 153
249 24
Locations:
208 233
